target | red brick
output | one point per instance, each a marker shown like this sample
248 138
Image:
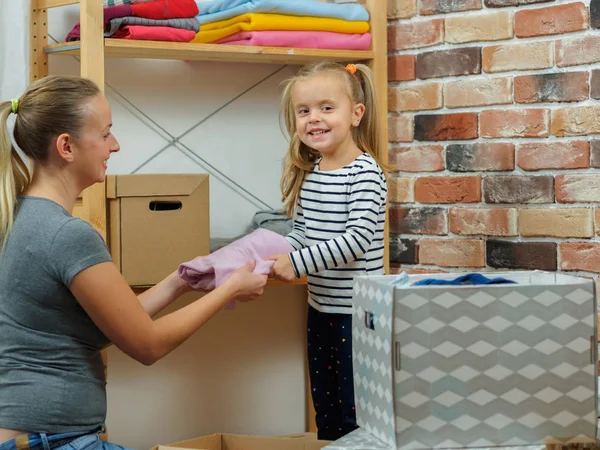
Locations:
427 7
415 97
478 92
442 127
401 68
401 190
448 189
401 9
521 255
521 56
418 220
505 123
488 26
584 256
423 158
518 189
400 129
552 87
484 221
452 253
480 157
554 155
556 222
558 19
577 188
424 33
576 121
578 50
451 62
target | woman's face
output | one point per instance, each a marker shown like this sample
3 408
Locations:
96 142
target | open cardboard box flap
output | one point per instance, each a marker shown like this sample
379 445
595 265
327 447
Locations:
223 441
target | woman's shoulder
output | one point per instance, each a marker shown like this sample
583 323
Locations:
44 219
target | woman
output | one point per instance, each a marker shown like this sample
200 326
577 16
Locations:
61 298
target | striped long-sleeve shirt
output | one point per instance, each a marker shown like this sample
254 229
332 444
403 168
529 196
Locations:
338 231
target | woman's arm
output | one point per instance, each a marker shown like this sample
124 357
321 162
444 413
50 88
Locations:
161 295
113 306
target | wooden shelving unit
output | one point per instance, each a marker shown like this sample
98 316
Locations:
93 48
119 48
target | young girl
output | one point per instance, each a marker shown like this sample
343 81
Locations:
336 190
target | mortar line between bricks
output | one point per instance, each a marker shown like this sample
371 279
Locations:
484 10
553 139
445 46
515 239
520 173
550 106
498 75
486 269
481 205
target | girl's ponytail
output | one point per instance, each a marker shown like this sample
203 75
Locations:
14 175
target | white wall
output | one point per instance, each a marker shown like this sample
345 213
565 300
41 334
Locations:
244 371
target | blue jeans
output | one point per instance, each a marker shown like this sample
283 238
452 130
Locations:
61 441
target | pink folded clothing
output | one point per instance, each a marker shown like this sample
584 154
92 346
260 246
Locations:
208 272
300 39
146 33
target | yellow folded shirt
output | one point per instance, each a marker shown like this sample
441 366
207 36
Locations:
213 31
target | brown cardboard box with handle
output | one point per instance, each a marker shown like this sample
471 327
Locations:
156 222
222 441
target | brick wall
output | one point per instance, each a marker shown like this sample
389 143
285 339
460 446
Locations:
492 107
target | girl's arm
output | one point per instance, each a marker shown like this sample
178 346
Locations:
114 308
297 238
367 196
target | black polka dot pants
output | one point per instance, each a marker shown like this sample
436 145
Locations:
330 369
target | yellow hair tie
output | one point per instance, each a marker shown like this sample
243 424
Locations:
351 68
14 105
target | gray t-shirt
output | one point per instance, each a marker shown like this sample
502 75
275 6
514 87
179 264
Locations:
51 370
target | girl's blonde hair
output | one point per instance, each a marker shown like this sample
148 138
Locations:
300 159
50 107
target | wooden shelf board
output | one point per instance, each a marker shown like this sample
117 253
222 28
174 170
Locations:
122 48
55 3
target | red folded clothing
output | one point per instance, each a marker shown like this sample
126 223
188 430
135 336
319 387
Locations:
144 33
157 9
165 9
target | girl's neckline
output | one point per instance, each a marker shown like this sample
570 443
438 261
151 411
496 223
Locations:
347 166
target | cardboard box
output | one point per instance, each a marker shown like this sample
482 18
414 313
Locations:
439 366
221 441
156 222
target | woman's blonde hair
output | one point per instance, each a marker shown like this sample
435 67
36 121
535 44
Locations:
50 107
300 159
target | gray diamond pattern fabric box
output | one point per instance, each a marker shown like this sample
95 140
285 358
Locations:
439 366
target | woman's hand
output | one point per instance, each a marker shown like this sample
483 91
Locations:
245 284
282 269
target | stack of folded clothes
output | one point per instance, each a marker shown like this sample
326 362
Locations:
154 20
284 23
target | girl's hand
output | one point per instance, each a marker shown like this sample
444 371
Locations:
245 284
282 269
